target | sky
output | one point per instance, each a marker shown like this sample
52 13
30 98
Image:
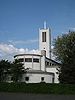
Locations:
20 21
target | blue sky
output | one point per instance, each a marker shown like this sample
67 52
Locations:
20 20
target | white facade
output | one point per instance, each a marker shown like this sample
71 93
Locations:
53 70
30 61
40 68
37 76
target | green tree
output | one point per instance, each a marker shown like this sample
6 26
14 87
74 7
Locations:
17 70
64 49
4 69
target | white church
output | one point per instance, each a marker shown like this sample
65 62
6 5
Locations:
40 67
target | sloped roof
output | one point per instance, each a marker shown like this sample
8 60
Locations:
53 61
39 72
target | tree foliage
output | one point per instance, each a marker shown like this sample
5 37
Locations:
17 70
64 49
4 69
14 69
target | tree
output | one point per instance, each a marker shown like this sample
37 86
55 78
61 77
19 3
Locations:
17 70
4 69
64 49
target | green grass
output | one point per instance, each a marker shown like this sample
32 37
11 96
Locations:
41 88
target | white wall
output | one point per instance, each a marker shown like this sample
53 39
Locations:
40 66
54 70
43 68
32 65
36 78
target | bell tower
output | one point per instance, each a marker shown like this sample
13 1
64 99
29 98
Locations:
45 40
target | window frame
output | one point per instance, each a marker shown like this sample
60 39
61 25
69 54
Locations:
28 59
35 60
21 59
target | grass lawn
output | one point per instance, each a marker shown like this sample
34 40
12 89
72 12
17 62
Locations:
41 88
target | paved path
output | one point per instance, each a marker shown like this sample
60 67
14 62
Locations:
23 96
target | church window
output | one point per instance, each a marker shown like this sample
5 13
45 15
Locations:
43 36
47 63
42 79
52 64
36 60
26 78
28 59
21 60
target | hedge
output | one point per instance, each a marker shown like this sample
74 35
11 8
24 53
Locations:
38 88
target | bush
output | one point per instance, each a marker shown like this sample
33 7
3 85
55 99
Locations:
41 88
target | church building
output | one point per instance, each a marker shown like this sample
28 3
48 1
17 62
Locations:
40 67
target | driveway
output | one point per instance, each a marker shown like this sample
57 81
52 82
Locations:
23 96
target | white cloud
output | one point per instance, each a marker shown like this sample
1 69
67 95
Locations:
64 33
7 51
23 42
72 29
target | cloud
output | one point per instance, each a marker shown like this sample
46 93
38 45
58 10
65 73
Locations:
72 29
23 42
7 48
7 51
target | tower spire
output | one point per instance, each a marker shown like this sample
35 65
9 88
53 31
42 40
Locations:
44 24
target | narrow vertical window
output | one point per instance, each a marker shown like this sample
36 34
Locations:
26 78
43 36
42 79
